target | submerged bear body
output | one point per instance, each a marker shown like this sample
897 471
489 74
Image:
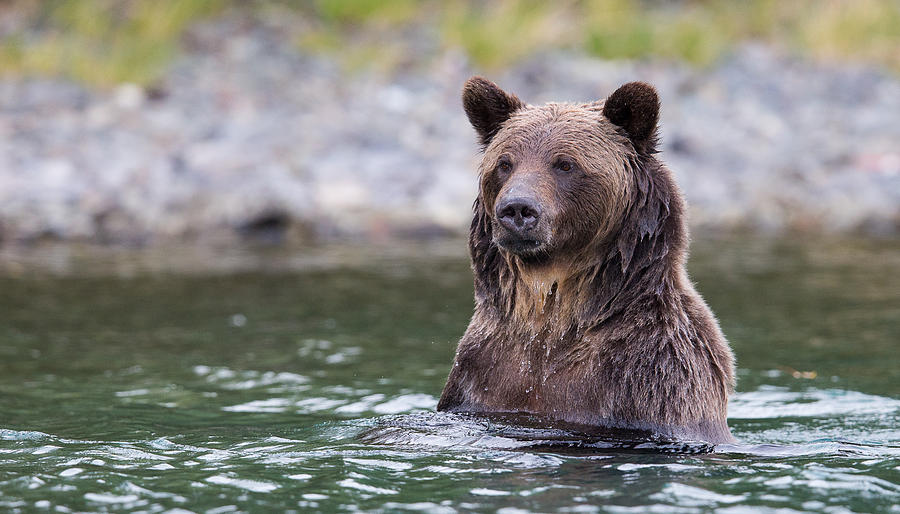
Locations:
584 312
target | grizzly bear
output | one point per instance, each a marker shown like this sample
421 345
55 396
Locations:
584 313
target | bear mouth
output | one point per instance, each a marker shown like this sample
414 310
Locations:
522 246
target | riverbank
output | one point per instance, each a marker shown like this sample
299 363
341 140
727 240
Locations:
248 135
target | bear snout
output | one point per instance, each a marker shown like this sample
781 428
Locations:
518 215
520 227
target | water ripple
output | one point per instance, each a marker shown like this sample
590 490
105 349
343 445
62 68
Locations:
779 402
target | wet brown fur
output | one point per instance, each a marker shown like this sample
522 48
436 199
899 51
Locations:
602 327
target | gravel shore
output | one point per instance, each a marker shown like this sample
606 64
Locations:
249 135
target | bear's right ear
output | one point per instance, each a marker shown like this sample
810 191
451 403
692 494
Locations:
488 107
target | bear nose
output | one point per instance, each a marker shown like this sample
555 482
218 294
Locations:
518 214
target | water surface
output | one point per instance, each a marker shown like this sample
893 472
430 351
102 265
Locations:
216 380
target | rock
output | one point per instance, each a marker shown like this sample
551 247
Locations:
254 136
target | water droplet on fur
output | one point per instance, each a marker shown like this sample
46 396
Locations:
524 366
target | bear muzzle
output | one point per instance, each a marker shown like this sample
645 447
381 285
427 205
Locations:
519 220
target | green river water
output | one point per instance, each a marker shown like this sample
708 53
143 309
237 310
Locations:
219 380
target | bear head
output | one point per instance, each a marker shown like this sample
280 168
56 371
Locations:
557 180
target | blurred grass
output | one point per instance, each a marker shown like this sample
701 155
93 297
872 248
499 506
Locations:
702 31
98 42
105 42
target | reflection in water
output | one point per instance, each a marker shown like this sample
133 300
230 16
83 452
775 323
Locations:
310 383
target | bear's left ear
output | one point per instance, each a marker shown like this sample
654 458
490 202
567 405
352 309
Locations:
635 108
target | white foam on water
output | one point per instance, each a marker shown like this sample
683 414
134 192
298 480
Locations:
130 454
111 498
272 405
481 491
378 463
133 392
251 485
671 467
429 507
353 484
692 496
406 403
366 403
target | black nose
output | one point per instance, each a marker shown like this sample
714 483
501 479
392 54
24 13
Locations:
518 214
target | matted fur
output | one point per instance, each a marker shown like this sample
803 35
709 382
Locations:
602 326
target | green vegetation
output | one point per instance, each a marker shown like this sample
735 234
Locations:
701 31
105 42
98 42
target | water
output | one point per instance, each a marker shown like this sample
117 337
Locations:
215 380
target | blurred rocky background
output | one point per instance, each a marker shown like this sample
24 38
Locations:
142 121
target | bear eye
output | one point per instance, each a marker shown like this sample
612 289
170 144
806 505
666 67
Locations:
504 166
564 165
